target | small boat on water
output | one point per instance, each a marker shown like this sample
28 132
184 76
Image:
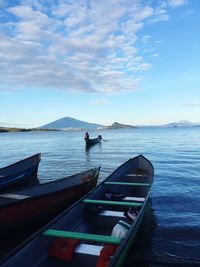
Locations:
96 231
36 203
20 173
90 142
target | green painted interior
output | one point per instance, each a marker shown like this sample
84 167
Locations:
83 236
132 184
107 202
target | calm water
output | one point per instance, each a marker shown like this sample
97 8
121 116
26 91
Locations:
170 233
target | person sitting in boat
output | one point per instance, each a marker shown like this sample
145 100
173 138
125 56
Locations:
99 137
87 136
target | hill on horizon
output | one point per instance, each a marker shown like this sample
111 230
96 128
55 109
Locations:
117 125
68 122
182 123
71 123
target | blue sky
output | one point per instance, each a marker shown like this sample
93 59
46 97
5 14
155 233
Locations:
135 62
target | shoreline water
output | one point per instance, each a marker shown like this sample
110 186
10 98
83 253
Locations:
172 221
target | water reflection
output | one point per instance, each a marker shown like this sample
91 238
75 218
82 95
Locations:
142 245
89 148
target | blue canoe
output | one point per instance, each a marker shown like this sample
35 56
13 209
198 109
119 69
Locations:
20 173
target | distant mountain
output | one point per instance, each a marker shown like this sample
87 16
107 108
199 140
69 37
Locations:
117 125
182 123
70 123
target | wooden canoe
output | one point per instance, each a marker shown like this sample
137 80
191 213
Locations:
35 203
97 230
90 142
20 173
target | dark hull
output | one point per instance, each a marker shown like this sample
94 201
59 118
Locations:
91 142
92 221
43 201
19 174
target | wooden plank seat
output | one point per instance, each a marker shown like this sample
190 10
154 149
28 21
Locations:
127 183
112 213
98 255
83 236
88 249
142 199
116 203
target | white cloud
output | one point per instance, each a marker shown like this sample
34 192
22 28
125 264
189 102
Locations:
100 102
143 13
176 3
145 39
155 55
144 66
160 14
74 45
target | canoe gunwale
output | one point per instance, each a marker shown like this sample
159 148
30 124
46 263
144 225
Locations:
38 156
34 197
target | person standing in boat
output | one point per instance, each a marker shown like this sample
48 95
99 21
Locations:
87 136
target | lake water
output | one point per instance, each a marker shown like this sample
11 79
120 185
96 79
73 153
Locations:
170 232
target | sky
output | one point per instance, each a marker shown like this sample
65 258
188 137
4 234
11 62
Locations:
131 61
